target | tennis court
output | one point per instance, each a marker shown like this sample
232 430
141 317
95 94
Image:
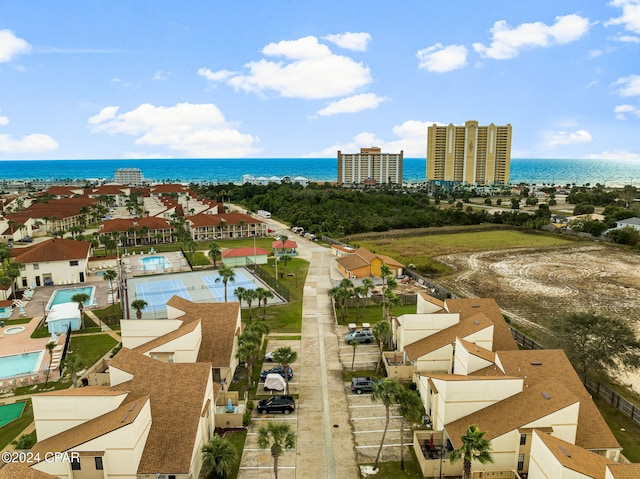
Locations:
196 286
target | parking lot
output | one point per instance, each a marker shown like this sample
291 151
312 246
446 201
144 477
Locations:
368 417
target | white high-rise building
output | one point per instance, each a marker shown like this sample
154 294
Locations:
129 176
370 166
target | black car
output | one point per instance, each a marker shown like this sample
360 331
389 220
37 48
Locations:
362 384
283 404
278 370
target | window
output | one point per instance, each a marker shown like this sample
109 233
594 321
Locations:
36 266
73 263
520 462
23 267
75 463
523 439
98 463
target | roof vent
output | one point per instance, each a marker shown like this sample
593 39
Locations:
546 395
564 451
476 322
124 418
475 305
536 363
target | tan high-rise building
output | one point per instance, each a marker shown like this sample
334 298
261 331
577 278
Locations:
370 166
469 154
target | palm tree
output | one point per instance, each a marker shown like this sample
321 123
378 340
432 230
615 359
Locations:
214 252
284 259
239 294
241 223
80 298
354 345
383 334
410 408
283 240
110 275
73 363
278 437
227 274
218 457
263 295
285 356
139 305
474 448
386 391
249 296
50 347
248 347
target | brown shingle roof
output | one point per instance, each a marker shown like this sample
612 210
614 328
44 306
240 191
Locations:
624 471
502 338
62 208
16 470
101 425
219 323
541 364
430 299
478 351
576 458
446 336
514 412
123 224
55 249
351 262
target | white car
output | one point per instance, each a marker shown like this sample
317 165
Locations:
269 357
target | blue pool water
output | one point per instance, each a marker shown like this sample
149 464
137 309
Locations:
5 312
17 364
60 296
155 263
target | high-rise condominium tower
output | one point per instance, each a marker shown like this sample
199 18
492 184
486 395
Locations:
469 154
369 166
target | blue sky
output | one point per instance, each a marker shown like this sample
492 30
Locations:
224 79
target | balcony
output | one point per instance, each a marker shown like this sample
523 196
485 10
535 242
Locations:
229 410
396 367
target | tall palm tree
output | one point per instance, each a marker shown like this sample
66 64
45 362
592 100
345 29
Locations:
285 356
50 347
474 448
278 437
239 294
227 274
354 345
410 408
385 391
80 298
139 305
248 348
73 363
263 295
110 275
283 240
249 296
383 333
214 252
218 457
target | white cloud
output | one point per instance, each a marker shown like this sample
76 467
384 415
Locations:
34 143
506 42
629 86
440 59
10 46
352 104
630 18
107 113
555 139
4 120
627 39
194 130
215 76
309 70
622 111
351 41
411 139
161 75
614 155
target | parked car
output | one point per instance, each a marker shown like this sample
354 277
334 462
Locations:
362 384
269 357
278 370
362 336
274 382
283 404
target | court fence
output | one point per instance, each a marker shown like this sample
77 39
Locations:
272 282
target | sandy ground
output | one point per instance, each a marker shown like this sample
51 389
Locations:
534 285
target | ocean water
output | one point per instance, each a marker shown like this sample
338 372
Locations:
538 171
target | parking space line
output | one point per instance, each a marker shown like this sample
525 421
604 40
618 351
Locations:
385 445
373 417
375 430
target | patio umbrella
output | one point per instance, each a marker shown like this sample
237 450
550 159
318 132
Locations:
431 441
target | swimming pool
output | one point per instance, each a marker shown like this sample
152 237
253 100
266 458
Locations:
11 412
14 330
5 312
64 295
155 263
17 364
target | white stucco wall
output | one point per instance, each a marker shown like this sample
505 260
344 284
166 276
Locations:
135 332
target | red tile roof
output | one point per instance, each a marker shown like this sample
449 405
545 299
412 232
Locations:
123 224
55 249
240 252
233 218
288 244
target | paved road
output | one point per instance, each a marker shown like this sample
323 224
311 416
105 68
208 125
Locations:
325 446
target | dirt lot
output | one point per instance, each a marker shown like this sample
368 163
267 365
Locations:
534 285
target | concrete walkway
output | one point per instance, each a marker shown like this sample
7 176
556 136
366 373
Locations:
325 446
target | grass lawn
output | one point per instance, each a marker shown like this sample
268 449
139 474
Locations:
236 438
421 249
393 470
11 431
373 314
12 322
624 429
92 348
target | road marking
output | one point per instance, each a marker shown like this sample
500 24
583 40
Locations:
373 417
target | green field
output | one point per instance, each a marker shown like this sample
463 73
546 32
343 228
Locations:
421 249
